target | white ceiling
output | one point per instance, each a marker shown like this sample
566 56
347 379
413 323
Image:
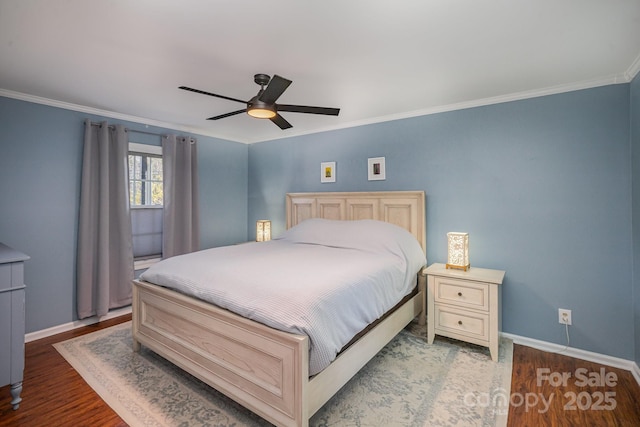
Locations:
377 60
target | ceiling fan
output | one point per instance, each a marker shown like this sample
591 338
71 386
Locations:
263 105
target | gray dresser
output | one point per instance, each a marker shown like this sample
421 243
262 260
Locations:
12 289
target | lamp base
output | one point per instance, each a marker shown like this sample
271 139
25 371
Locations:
459 267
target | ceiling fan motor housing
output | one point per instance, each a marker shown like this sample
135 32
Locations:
262 79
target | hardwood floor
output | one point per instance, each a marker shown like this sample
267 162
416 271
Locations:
577 392
55 395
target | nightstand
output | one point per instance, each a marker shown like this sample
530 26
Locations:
464 305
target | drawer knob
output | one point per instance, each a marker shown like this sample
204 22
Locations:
459 322
459 294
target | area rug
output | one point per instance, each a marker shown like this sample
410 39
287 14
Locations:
409 383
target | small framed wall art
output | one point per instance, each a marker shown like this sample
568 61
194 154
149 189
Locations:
328 172
376 169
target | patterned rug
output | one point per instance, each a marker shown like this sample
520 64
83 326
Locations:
409 383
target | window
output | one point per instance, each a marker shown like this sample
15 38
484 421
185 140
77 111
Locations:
146 201
145 176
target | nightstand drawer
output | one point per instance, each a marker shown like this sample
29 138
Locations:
462 293
462 322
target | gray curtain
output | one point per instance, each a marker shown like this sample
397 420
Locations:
105 250
181 230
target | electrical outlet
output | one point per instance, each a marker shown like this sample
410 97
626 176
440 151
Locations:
564 316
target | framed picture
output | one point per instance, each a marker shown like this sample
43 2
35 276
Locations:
328 172
376 169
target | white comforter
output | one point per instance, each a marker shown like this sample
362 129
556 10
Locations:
324 279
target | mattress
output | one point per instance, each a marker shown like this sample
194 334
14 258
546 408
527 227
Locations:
324 279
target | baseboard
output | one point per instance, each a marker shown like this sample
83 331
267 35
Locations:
44 333
636 372
603 359
616 362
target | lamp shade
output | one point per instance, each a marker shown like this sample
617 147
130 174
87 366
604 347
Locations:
458 251
263 230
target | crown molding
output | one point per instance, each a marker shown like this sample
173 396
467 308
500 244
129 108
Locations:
634 69
625 77
106 113
517 96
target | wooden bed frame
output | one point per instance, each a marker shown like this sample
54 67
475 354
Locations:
264 369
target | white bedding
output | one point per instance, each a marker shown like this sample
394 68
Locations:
324 279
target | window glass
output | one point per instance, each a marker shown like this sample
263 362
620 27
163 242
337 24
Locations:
146 200
145 180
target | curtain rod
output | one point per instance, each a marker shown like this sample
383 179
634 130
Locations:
144 132
161 135
129 130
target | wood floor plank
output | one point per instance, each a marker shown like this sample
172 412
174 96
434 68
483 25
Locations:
54 394
576 390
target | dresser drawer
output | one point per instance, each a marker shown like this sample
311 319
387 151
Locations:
462 293
467 323
5 276
11 275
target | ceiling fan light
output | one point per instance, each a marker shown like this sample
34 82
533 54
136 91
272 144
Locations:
259 109
261 113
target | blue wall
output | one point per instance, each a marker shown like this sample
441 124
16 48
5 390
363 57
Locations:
543 186
40 167
635 147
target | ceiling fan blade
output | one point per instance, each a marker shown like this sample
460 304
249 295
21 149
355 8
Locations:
222 116
274 89
211 94
308 110
281 122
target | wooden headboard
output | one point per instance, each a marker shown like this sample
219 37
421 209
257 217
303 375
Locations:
403 208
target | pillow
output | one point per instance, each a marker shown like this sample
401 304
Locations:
367 235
